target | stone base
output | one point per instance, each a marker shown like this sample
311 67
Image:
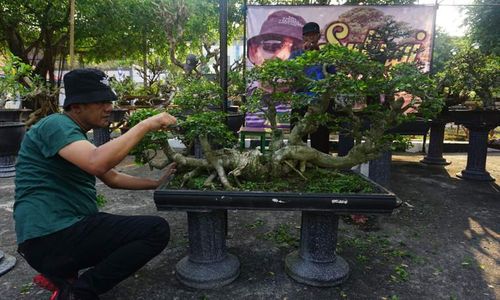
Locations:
316 273
7 262
208 275
475 175
7 166
435 161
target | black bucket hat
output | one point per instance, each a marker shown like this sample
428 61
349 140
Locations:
87 86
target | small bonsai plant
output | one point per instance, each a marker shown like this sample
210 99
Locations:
470 78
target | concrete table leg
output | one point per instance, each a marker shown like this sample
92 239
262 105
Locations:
316 263
208 264
476 155
435 151
380 168
7 166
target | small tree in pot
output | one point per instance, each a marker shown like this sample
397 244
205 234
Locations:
356 78
470 78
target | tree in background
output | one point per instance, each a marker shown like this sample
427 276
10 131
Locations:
37 31
444 48
484 23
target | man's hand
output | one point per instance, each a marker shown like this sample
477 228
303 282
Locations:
118 180
169 171
160 121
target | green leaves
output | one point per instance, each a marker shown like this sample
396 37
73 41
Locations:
471 75
198 95
152 141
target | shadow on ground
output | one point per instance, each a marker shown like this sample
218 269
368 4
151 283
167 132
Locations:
442 243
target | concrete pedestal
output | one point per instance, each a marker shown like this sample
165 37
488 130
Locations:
208 264
316 263
435 152
7 166
476 155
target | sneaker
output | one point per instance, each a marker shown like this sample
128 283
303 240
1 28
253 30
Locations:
44 283
54 295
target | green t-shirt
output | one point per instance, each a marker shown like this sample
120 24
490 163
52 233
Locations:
51 193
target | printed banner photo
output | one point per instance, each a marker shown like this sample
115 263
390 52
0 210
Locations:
276 31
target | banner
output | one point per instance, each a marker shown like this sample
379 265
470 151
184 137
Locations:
276 31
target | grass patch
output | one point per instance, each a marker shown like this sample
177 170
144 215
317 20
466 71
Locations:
283 236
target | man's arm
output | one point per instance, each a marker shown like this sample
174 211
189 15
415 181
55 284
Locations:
118 180
100 160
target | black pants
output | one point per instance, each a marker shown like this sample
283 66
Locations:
113 246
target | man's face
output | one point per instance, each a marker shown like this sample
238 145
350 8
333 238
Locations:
279 47
94 115
311 40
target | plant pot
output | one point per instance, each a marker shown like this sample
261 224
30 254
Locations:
235 121
14 115
118 114
11 136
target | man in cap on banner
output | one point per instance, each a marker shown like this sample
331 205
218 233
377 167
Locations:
311 34
59 229
279 35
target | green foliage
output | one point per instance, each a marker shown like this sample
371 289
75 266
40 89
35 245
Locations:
211 124
483 21
401 143
401 273
471 75
199 111
13 83
283 236
101 201
124 87
117 29
152 141
444 47
258 223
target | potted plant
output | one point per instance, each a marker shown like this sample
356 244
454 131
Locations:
14 87
15 83
227 169
469 84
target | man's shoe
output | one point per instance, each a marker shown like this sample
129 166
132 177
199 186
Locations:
44 283
54 295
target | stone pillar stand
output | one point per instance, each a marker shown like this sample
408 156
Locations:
101 136
7 166
476 154
316 263
380 169
208 264
435 151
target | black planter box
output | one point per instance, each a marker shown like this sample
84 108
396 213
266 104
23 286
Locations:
208 264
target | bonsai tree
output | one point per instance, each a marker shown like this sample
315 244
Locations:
470 78
399 89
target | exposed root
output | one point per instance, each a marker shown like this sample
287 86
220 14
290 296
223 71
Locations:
295 169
